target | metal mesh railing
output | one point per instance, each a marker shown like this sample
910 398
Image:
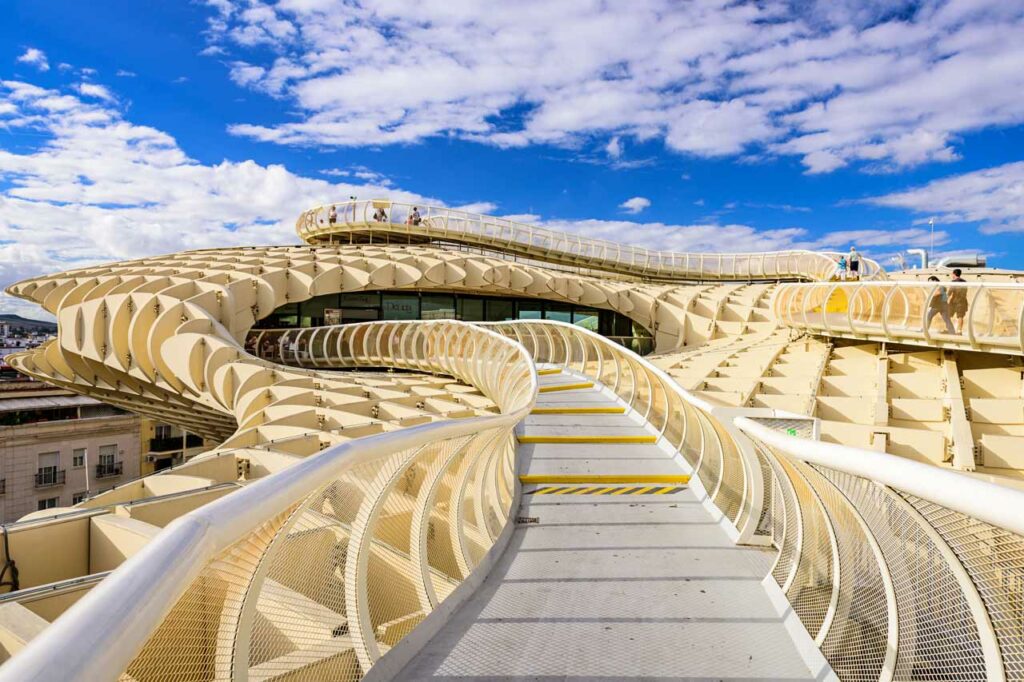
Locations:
899 570
316 571
392 219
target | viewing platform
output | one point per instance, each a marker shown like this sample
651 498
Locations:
383 220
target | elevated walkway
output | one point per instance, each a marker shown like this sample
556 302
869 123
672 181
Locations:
612 580
382 220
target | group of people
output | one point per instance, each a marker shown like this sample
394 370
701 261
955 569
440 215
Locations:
380 216
848 267
949 303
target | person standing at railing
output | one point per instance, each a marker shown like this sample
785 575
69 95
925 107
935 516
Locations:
380 216
332 215
414 217
958 301
939 305
841 268
854 261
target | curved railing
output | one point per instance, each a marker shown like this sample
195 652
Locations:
319 569
385 218
897 569
991 315
682 420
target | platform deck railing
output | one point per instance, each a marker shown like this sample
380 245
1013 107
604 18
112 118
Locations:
386 218
983 316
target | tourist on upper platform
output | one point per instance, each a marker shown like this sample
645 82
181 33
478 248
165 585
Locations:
414 217
958 301
380 216
854 260
332 215
841 268
939 305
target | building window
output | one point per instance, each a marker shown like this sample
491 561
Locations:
78 457
49 472
107 454
77 497
47 503
162 431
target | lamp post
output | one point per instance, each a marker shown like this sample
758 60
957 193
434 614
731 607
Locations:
931 245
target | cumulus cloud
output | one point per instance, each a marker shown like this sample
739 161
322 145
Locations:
36 58
97 187
100 188
95 91
993 197
635 205
871 83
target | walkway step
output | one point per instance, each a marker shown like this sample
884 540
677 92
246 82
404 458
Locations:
566 387
607 490
578 410
588 439
607 479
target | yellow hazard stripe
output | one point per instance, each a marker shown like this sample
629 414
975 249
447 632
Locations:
606 479
548 372
587 439
565 387
578 410
612 490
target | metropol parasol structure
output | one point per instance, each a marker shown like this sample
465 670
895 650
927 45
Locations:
450 446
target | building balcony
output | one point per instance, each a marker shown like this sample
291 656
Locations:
46 478
175 443
109 470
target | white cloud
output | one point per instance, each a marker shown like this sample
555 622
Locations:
614 147
837 83
485 207
100 188
635 205
36 58
993 197
95 91
125 73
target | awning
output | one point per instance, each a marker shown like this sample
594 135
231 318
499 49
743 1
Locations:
24 404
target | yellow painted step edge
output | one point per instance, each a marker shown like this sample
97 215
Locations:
529 479
548 372
578 410
565 387
588 439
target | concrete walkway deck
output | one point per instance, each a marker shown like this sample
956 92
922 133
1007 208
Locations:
613 586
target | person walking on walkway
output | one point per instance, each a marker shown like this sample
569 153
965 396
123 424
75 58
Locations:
958 301
939 305
854 261
332 215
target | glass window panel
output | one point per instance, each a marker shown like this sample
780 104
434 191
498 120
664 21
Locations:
530 310
360 299
498 310
438 307
401 307
588 319
470 309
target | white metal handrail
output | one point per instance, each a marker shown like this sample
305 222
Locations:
126 614
986 316
501 234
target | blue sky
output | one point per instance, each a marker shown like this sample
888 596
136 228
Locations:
131 129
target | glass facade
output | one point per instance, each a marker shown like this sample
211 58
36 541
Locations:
365 306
